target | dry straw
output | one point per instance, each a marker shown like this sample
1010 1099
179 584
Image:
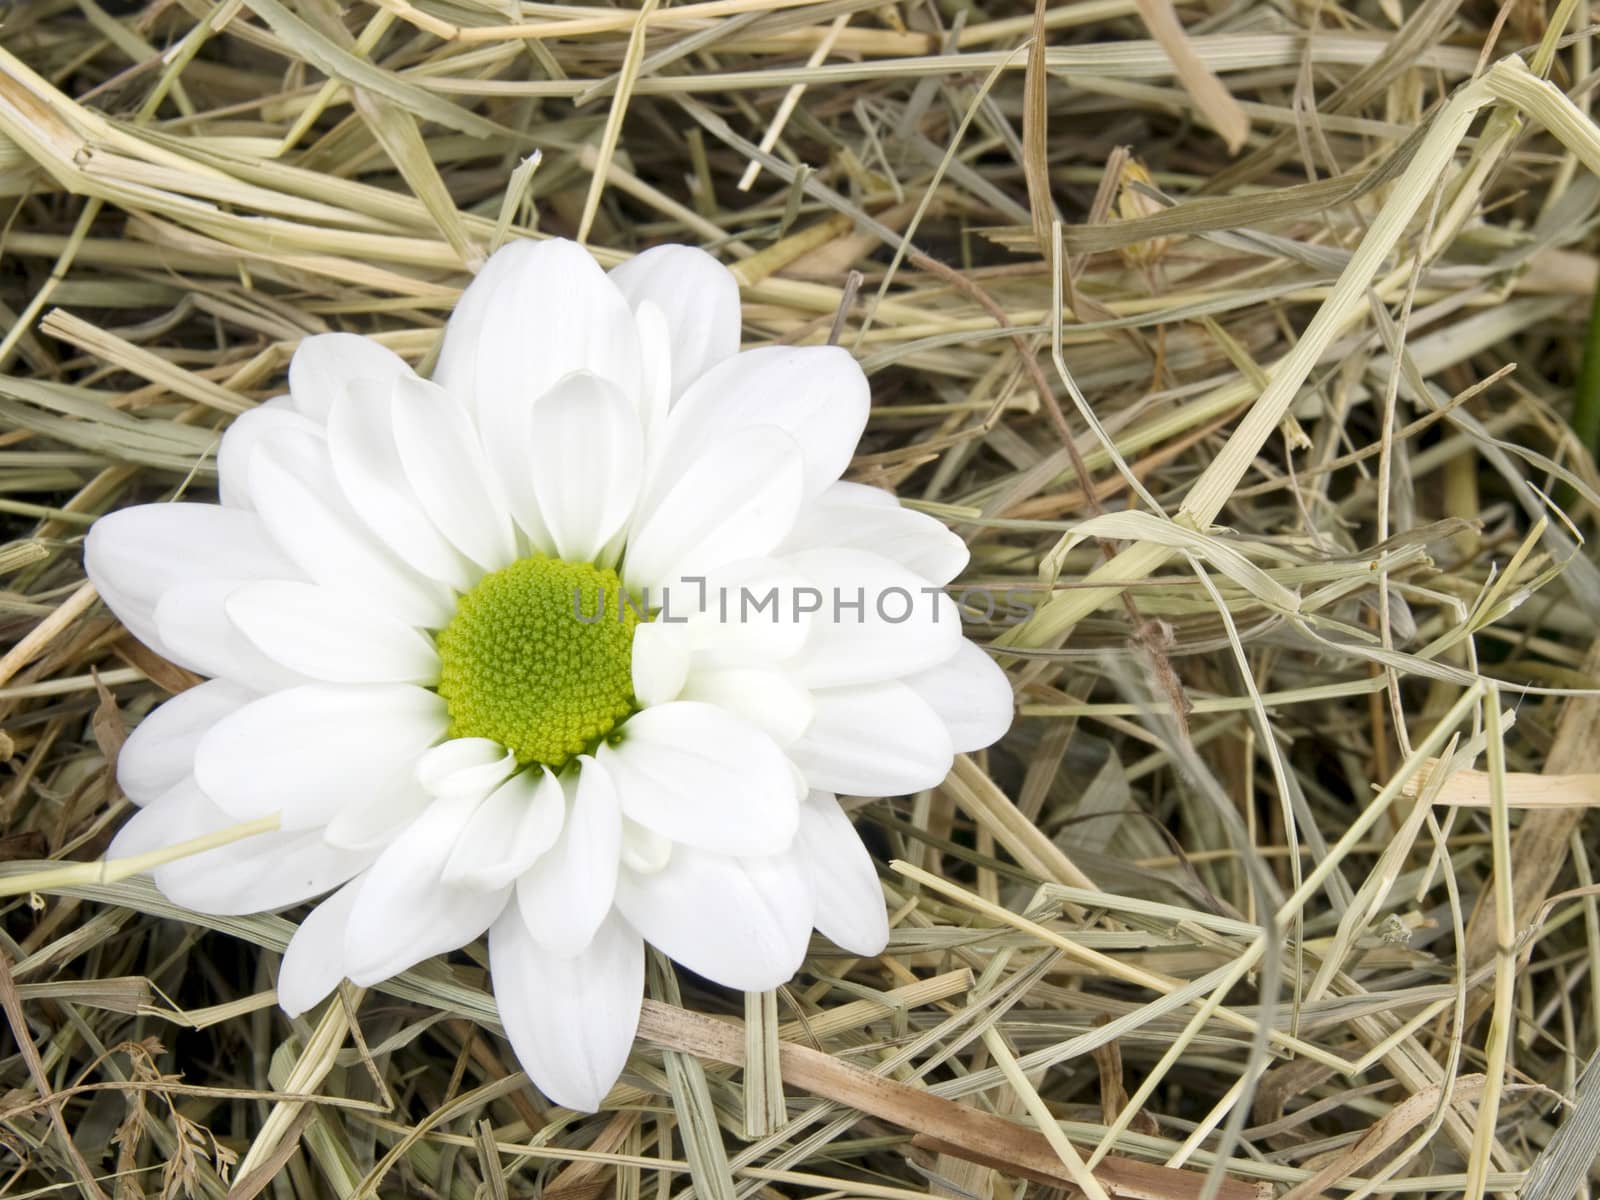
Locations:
1244 344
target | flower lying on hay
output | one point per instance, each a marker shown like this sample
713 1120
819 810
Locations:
574 643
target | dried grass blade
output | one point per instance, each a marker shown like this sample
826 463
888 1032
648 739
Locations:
340 63
966 1131
1211 98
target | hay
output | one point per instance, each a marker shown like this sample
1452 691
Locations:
1281 461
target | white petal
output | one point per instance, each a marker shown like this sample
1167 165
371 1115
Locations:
465 767
159 753
134 555
403 912
700 775
655 374
256 874
331 635
738 499
644 850
259 874
876 620
310 751
193 623
292 486
566 893
587 456
449 473
570 1019
850 910
146 547
239 442
537 311
699 298
740 922
755 611
867 518
972 696
660 661
769 699
159 822
313 963
368 473
137 617
326 366
877 739
372 821
519 821
817 394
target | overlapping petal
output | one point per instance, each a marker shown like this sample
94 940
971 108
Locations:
740 922
767 697
239 443
662 652
134 556
587 456
512 828
449 474
294 489
970 694
159 753
876 739
567 892
850 910
308 752
326 367
699 298
537 311
313 962
372 821
403 911
755 611
655 376
854 516
570 1018
737 499
365 454
876 621
815 394
700 775
320 633
193 624
471 766
254 874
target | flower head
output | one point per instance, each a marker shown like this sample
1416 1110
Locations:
574 643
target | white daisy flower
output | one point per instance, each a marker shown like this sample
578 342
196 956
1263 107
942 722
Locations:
574 644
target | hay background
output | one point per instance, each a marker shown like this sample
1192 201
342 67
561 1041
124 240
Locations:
189 187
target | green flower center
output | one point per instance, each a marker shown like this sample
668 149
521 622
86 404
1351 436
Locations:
538 658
